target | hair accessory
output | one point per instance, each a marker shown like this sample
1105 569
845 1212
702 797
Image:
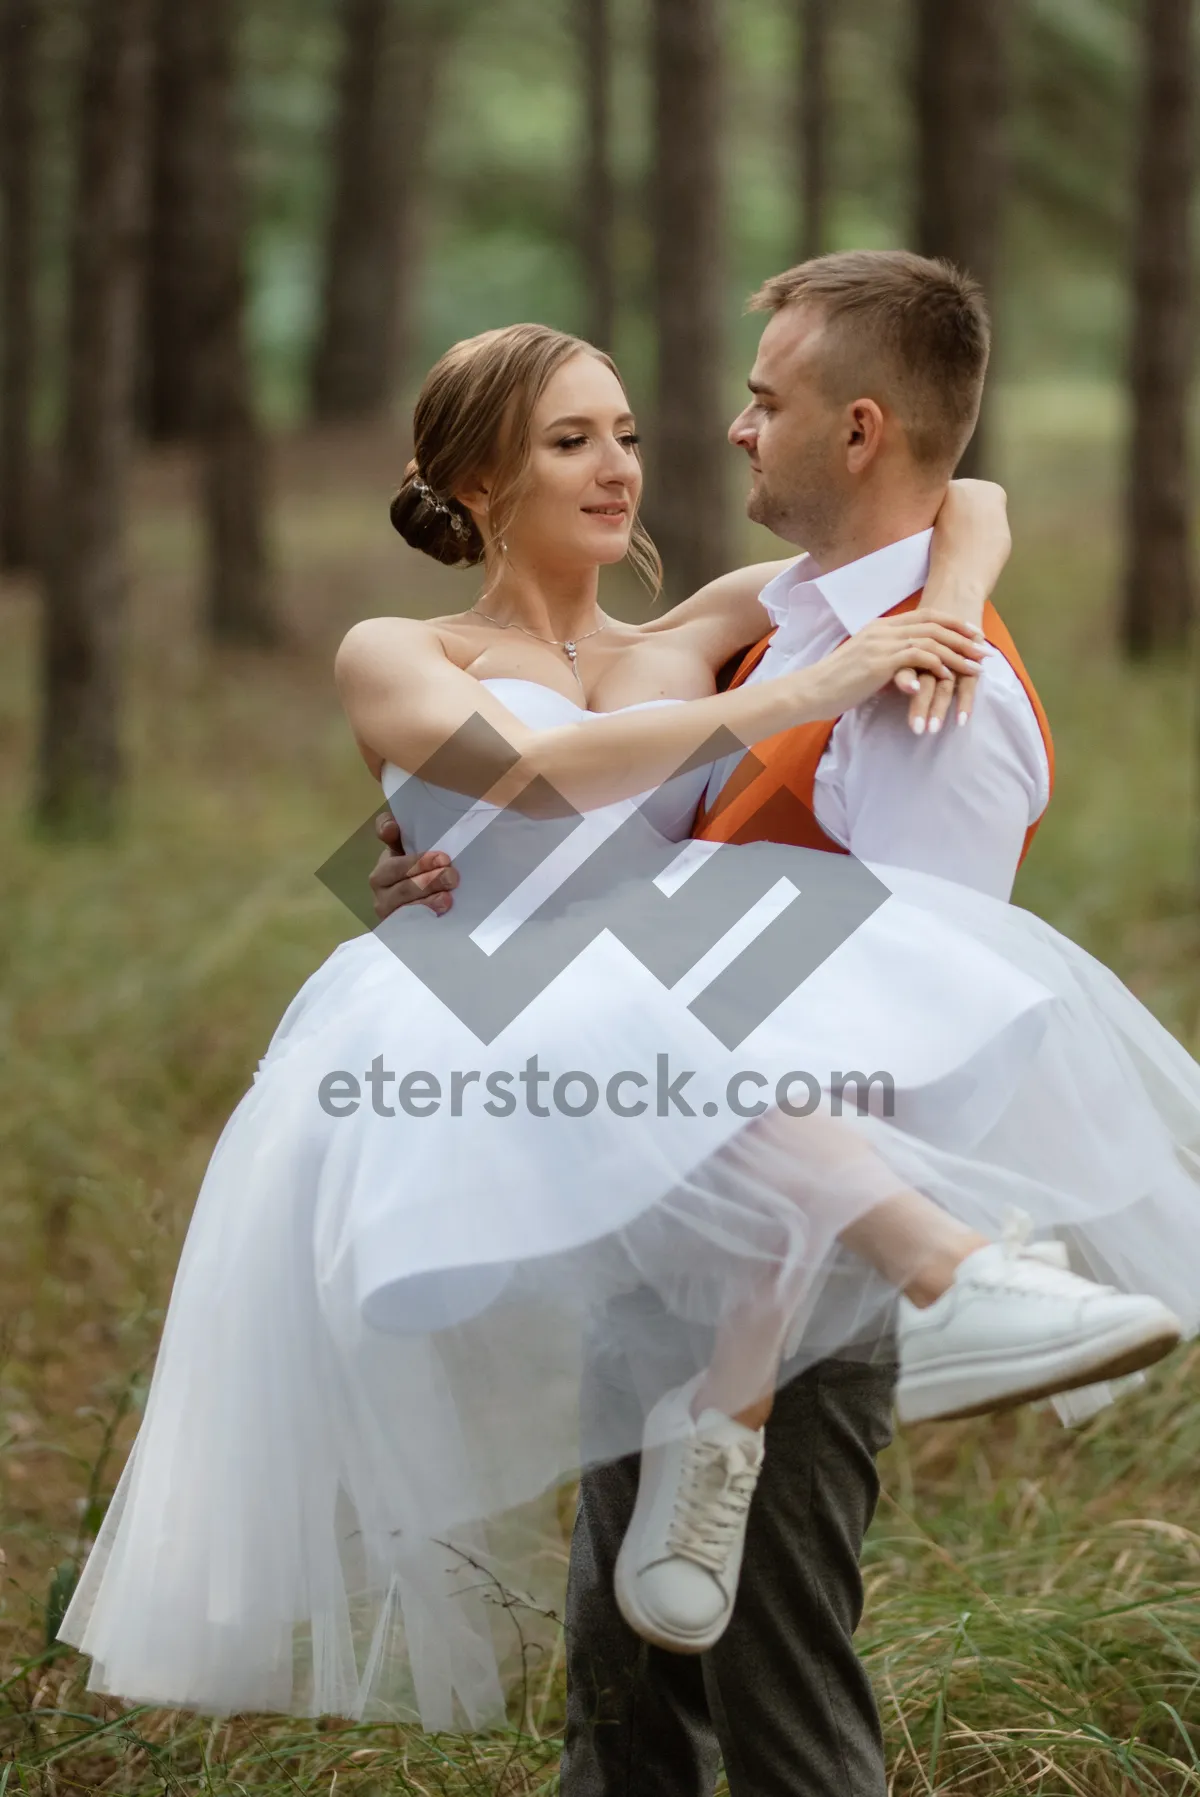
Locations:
439 505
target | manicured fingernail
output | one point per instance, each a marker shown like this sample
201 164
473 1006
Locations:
918 726
963 716
935 725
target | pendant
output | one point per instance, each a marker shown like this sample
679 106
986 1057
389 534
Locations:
571 650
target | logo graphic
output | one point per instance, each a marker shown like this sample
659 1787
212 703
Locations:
733 930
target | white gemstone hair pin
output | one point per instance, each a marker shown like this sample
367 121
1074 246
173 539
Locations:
439 505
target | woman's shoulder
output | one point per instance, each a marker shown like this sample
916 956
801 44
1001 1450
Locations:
372 642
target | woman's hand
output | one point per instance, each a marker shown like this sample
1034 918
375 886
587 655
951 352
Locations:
904 648
971 544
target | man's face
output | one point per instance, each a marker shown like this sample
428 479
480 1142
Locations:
794 435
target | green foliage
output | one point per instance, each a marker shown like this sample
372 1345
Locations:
502 199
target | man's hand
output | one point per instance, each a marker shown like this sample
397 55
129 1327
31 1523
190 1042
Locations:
399 879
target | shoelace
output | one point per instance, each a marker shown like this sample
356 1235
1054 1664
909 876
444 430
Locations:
1014 1238
1016 1230
715 1489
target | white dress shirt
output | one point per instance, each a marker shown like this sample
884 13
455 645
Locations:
956 804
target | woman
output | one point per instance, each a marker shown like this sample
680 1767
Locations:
370 1346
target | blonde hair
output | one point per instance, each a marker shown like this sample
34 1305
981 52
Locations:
915 327
473 415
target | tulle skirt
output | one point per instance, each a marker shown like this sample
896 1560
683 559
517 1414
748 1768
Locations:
406 1241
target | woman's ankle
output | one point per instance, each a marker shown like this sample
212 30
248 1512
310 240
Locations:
936 1274
710 1396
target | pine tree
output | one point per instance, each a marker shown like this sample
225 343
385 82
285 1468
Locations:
811 125
169 383
238 600
19 21
688 510
1159 587
392 55
597 199
79 767
961 86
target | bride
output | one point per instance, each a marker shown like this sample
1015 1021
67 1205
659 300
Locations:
370 1352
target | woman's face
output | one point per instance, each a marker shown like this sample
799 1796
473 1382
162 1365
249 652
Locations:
584 478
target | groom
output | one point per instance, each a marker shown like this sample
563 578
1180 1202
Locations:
864 392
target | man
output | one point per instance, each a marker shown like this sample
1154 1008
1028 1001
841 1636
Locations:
864 393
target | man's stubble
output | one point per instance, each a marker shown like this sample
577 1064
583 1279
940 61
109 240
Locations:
804 504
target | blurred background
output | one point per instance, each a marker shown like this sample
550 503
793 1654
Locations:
233 235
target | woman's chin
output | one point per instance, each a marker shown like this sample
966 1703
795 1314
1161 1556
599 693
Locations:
609 546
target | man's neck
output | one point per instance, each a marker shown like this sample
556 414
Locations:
875 528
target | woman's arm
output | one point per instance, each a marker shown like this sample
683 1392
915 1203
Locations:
411 705
971 544
723 616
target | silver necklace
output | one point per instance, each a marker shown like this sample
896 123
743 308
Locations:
567 643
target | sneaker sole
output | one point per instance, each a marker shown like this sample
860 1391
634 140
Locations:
955 1389
625 1592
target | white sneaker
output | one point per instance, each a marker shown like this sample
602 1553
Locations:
1080 1405
1015 1326
678 1568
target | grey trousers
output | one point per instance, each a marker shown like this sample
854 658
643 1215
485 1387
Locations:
782 1699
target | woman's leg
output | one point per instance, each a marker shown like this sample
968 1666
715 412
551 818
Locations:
908 1238
771 1209
905 1236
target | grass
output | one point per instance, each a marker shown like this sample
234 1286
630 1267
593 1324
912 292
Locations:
1033 1609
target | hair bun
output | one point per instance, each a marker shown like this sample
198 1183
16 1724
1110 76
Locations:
438 527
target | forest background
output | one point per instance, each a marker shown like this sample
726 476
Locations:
233 234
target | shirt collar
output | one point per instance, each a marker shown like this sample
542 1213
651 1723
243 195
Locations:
858 592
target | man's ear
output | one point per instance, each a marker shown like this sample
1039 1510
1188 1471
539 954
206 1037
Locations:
864 434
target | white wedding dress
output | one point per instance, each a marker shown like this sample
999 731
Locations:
372 1351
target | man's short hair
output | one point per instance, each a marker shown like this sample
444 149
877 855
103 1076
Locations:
907 330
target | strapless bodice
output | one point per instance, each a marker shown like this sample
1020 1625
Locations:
431 817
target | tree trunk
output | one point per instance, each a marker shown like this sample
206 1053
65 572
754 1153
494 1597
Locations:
1158 599
169 393
962 103
80 764
811 124
238 596
18 84
597 197
391 59
689 513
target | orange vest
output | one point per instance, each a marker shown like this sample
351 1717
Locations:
769 795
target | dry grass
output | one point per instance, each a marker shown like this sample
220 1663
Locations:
1033 1619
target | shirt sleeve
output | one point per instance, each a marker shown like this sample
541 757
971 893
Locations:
957 804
